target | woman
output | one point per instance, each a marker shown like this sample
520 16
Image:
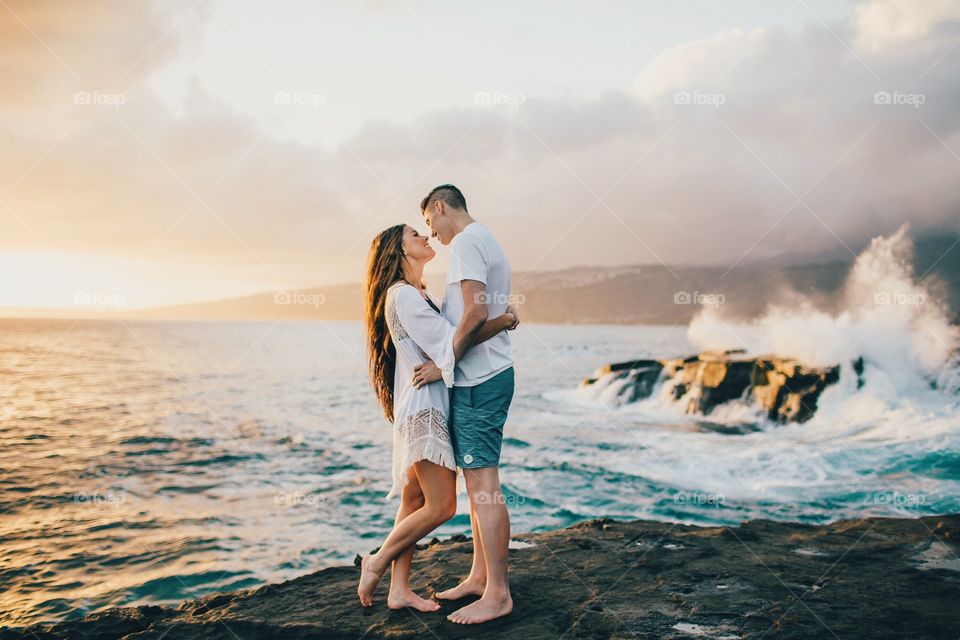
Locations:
404 329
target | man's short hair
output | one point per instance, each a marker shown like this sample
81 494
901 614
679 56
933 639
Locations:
446 193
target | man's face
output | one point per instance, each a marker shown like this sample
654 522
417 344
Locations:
435 215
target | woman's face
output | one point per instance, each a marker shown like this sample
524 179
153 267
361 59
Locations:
416 246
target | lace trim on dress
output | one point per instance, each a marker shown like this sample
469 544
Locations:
426 423
393 318
422 436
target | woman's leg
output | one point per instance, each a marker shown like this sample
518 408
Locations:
440 504
411 499
401 595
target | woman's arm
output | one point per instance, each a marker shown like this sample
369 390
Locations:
429 330
429 372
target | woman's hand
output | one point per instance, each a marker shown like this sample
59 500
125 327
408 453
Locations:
425 374
512 311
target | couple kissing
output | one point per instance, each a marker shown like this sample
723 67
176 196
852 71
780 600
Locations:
443 375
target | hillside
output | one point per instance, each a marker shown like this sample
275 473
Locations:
628 295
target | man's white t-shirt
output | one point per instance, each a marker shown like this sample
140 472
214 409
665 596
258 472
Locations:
476 255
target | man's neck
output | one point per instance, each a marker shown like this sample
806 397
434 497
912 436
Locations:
462 222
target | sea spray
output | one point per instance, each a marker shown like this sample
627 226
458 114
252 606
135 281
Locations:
886 315
884 440
893 341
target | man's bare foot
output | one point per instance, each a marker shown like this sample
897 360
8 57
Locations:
407 598
483 610
469 587
369 579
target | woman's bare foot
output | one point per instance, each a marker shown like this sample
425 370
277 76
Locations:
403 598
485 609
370 576
469 587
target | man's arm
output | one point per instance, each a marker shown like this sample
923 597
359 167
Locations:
505 322
474 315
475 327
428 372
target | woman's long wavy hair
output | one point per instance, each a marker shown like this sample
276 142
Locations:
384 267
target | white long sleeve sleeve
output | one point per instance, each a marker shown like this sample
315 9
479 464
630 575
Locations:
428 329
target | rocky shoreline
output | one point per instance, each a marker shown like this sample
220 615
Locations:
866 578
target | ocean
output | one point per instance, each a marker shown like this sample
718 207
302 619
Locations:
150 462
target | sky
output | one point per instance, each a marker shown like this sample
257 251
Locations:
155 153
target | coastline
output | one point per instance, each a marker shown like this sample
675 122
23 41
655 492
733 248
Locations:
861 578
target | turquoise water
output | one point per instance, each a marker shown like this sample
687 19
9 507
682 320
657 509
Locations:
150 462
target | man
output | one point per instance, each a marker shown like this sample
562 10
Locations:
478 286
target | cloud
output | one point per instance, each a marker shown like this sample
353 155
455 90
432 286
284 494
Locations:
702 161
100 164
885 24
690 63
50 50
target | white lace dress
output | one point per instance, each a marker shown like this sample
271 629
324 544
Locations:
420 426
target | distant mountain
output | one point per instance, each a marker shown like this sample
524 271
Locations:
632 295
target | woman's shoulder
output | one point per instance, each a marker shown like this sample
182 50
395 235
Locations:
406 293
400 285
402 298
395 289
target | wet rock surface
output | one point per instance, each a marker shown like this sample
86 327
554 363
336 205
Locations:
868 578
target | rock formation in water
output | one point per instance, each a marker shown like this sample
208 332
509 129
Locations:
786 389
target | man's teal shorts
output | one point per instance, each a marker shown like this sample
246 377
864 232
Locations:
477 416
